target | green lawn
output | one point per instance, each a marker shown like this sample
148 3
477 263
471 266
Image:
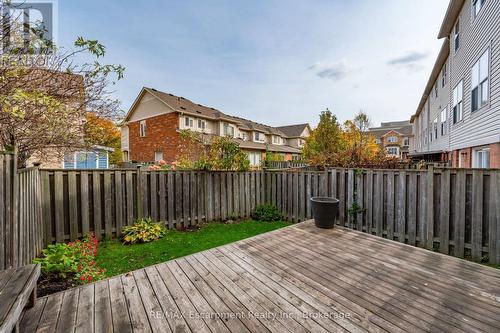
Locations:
117 258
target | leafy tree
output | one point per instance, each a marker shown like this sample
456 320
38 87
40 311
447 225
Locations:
325 144
225 154
103 132
192 151
361 148
46 93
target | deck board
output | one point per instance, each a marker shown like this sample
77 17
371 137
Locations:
296 279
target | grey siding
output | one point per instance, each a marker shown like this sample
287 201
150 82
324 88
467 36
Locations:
436 105
476 36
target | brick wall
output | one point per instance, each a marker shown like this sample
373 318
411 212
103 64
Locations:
161 136
466 154
495 155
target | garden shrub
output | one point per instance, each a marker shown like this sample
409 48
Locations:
76 257
144 230
267 213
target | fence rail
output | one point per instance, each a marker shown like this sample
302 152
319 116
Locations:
285 164
453 211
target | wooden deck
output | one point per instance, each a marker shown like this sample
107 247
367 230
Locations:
295 279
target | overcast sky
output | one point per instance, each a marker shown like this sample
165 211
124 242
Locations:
274 61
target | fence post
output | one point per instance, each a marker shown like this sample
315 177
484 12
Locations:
430 208
14 210
139 192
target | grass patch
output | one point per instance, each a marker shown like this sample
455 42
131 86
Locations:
117 258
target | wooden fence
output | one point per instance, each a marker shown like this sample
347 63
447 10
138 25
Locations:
20 213
285 165
453 211
104 201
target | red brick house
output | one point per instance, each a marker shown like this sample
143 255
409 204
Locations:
151 130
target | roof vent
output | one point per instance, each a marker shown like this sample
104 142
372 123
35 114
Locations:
183 108
198 111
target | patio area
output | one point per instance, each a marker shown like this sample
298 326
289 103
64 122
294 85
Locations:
295 279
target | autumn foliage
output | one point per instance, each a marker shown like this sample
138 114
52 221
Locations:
348 145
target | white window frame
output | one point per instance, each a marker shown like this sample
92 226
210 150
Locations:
228 130
458 108
435 128
476 5
202 124
391 148
456 36
406 141
158 156
443 121
443 75
392 139
188 122
142 128
482 77
481 158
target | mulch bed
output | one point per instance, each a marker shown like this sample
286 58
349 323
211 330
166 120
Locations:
52 283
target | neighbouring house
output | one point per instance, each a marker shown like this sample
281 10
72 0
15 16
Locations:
394 137
458 117
151 130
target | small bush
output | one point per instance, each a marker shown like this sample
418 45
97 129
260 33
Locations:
267 213
144 230
58 259
76 257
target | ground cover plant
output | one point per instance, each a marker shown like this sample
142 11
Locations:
66 265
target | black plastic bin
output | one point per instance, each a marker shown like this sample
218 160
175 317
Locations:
325 210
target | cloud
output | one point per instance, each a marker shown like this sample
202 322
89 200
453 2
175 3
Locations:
411 60
334 71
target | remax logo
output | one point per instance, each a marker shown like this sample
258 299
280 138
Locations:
28 27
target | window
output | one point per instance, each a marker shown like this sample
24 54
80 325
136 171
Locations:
188 122
406 142
443 76
481 158
255 158
456 37
457 102
378 141
479 82
142 129
476 7
436 90
392 139
258 136
244 136
201 124
276 140
393 151
435 128
228 130
158 156
444 118
125 156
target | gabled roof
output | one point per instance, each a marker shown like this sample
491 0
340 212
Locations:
294 131
185 106
454 8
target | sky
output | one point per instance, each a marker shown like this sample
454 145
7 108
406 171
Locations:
278 62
